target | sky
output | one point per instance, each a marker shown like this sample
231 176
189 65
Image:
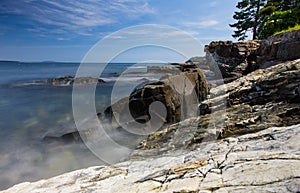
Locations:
65 30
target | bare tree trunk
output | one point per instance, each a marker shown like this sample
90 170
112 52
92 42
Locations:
256 20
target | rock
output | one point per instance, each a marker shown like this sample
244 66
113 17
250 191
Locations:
280 47
185 66
263 161
259 100
140 100
235 59
173 92
262 99
277 83
166 69
69 80
65 138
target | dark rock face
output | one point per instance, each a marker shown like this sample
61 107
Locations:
69 80
262 99
71 137
140 100
281 47
235 59
174 92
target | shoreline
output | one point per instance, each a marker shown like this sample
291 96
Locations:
253 148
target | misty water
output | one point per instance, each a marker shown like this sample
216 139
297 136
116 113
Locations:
31 110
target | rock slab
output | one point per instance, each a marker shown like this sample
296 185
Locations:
266 161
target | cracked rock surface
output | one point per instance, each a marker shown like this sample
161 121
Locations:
265 161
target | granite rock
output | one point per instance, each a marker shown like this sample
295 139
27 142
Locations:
267 160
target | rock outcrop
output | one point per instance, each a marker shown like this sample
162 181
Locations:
235 59
281 47
141 99
264 161
257 101
70 80
173 91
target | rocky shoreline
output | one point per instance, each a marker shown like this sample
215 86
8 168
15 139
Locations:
265 161
244 138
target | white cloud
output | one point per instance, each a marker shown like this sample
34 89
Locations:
115 37
164 31
201 24
176 33
76 16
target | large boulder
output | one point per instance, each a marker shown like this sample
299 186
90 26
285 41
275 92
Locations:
176 93
141 99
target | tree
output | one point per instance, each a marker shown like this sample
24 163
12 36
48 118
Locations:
278 15
248 18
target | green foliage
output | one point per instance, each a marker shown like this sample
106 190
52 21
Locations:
268 10
277 21
287 15
265 18
289 29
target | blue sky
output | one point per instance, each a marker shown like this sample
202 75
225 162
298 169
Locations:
64 30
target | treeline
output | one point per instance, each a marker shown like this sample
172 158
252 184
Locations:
264 17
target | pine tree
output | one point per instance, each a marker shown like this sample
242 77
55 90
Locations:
247 18
278 15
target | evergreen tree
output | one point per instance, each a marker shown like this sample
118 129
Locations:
248 18
278 15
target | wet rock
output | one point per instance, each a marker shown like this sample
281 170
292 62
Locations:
65 138
185 66
69 80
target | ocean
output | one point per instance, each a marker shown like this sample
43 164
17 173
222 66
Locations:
31 109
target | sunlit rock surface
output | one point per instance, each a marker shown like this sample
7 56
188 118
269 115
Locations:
268 160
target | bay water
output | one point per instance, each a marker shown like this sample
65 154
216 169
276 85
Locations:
31 109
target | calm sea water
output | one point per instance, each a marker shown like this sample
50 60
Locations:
30 111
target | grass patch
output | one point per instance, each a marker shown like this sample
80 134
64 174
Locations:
296 27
